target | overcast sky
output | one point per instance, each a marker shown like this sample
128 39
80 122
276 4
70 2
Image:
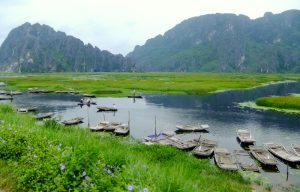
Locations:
119 25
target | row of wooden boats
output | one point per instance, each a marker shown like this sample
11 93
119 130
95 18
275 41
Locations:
242 159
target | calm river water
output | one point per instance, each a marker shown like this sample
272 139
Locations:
219 111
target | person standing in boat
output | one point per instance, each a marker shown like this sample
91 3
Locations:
114 106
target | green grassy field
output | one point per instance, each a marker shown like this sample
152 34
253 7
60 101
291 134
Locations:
280 102
50 157
122 84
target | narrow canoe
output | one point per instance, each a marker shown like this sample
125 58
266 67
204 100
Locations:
263 156
245 137
296 149
43 115
245 162
225 160
192 128
205 148
280 151
74 121
122 129
104 109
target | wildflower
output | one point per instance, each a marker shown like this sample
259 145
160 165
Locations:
74 176
34 156
83 173
86 177
86 185
62 167
92 184
130 187
145 190
108 171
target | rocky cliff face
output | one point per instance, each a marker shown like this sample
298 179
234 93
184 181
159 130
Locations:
225 43
38 48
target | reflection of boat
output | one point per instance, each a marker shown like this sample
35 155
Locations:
44 115
26 109
73 121
280 151
205 148
122 129
262 155
245 162
100 109
192 128
245 137
135 96
225 160
89 95
6 98
296 149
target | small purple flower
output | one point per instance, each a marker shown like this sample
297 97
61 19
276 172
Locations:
145 190
86 185
86 177
108 171
83 174
92 185
130 187
62 167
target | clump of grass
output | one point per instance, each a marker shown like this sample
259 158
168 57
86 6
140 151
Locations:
51 157
281 102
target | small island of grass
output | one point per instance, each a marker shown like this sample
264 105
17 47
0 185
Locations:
287 104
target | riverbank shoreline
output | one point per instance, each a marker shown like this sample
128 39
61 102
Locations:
252 104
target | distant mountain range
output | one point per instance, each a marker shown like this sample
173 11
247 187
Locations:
225 43
212 43
38 48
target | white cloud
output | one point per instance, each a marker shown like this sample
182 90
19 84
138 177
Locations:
119 25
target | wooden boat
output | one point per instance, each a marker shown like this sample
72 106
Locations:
105 109
43 115
244 160
182 145
26 109
192 128
225 160
296 149
122 129
205 148
87 102
74 121
100 126
280 151
263 156
244 136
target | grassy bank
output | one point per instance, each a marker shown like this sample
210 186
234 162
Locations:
122 84
51 157
280 102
